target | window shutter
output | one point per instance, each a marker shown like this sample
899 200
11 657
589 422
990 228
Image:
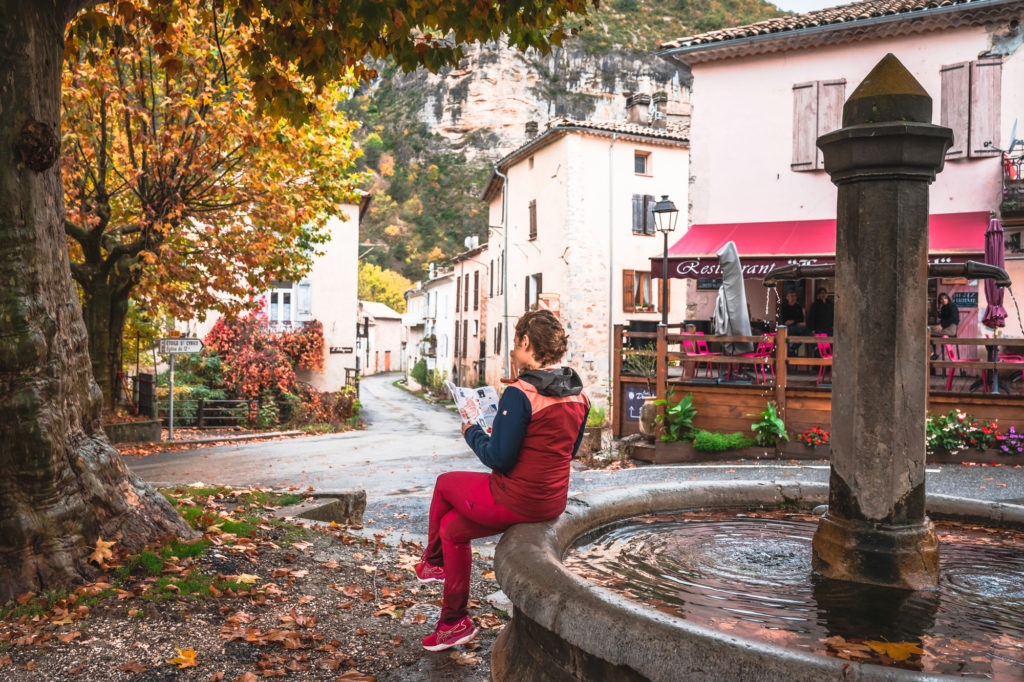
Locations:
490 274
476 290
533 219
831 96
305 301
956 83
627 292
526 294
458 328
638 214
540 283
465 288
497 339
465 338
458 292
986 86
663 302
649 214
805 124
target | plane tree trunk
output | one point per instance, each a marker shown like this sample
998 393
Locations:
62 485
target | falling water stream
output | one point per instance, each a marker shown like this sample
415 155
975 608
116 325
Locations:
751 577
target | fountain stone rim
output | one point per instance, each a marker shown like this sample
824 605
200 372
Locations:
528 566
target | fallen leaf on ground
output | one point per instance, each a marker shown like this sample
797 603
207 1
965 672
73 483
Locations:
331 564
102 552
246 578
248 677
356 676
184 659
464 658
897 651
133 668
489 575
488 621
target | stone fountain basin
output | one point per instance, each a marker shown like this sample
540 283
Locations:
566 628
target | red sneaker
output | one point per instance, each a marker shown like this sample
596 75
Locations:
446 636
428 573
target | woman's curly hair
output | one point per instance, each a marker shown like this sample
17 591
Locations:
547 336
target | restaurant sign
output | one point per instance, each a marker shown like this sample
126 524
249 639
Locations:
704 268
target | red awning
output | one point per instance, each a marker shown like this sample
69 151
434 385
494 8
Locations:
952 238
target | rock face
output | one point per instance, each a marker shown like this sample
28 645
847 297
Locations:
482 105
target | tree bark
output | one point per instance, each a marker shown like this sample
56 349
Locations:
105 309
62 485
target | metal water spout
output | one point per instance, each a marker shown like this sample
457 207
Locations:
971 270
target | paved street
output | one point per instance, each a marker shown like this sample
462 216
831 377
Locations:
408 442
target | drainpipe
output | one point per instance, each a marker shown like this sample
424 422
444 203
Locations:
611 268
504 261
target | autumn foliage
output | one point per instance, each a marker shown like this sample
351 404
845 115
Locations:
304 346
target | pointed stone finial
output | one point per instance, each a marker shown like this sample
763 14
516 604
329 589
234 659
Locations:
888 93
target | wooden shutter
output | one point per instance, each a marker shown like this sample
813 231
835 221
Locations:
663 302
805 125
490 274
831 95
458 292
497 339
533 219
627 292
986 87
638 214
540 283
305 302
476 290
465 288
649 214
457 329
465 338
955 106
526 294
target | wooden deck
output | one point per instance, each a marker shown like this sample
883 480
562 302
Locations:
731 403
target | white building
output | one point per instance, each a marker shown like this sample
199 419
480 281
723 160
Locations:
379 341
413 325
580 231
329 294
437 345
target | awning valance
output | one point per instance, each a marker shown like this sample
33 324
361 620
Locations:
952 238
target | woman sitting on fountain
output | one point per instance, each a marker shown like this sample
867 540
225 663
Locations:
536 433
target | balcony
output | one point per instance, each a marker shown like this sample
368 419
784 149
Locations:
1013 185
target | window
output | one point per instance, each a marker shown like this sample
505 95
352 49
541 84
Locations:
279 304
639 290
641 163
458 293
643 214
533 219
531 289
476 290
465 338
476 329
970 106
817 109
305 302
497 339
465 288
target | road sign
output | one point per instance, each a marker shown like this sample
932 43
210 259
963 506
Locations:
179 345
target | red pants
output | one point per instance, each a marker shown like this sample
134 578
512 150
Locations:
462 509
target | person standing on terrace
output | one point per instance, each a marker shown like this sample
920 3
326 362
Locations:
821 315
538 428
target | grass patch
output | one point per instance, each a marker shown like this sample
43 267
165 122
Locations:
184 550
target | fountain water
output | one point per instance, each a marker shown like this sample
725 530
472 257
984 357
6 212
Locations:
876 536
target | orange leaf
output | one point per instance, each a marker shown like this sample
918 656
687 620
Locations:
897 651
184 659
102 552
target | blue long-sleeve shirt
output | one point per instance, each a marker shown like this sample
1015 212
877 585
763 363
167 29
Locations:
500 450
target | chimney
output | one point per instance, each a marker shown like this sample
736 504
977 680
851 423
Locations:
531 129
430 271
637 106
659 103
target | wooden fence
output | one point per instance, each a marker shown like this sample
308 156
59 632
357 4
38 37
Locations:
791 381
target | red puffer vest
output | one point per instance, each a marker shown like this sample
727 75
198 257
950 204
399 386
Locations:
538 485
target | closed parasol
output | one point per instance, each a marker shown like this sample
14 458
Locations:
995 313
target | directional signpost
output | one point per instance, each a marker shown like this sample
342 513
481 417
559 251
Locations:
172 347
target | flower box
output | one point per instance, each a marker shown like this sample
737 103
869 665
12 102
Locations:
794 449
682 451
971 456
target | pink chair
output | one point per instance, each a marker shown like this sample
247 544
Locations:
825 353
764 350
702 350
1013 358
953 353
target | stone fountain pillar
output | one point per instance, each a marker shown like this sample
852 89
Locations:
882 160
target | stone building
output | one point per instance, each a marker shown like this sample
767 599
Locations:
571 229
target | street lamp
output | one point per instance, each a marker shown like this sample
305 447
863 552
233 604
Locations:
665 216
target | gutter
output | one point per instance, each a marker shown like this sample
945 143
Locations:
674 54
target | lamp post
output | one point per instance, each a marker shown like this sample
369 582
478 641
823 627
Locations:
665 216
